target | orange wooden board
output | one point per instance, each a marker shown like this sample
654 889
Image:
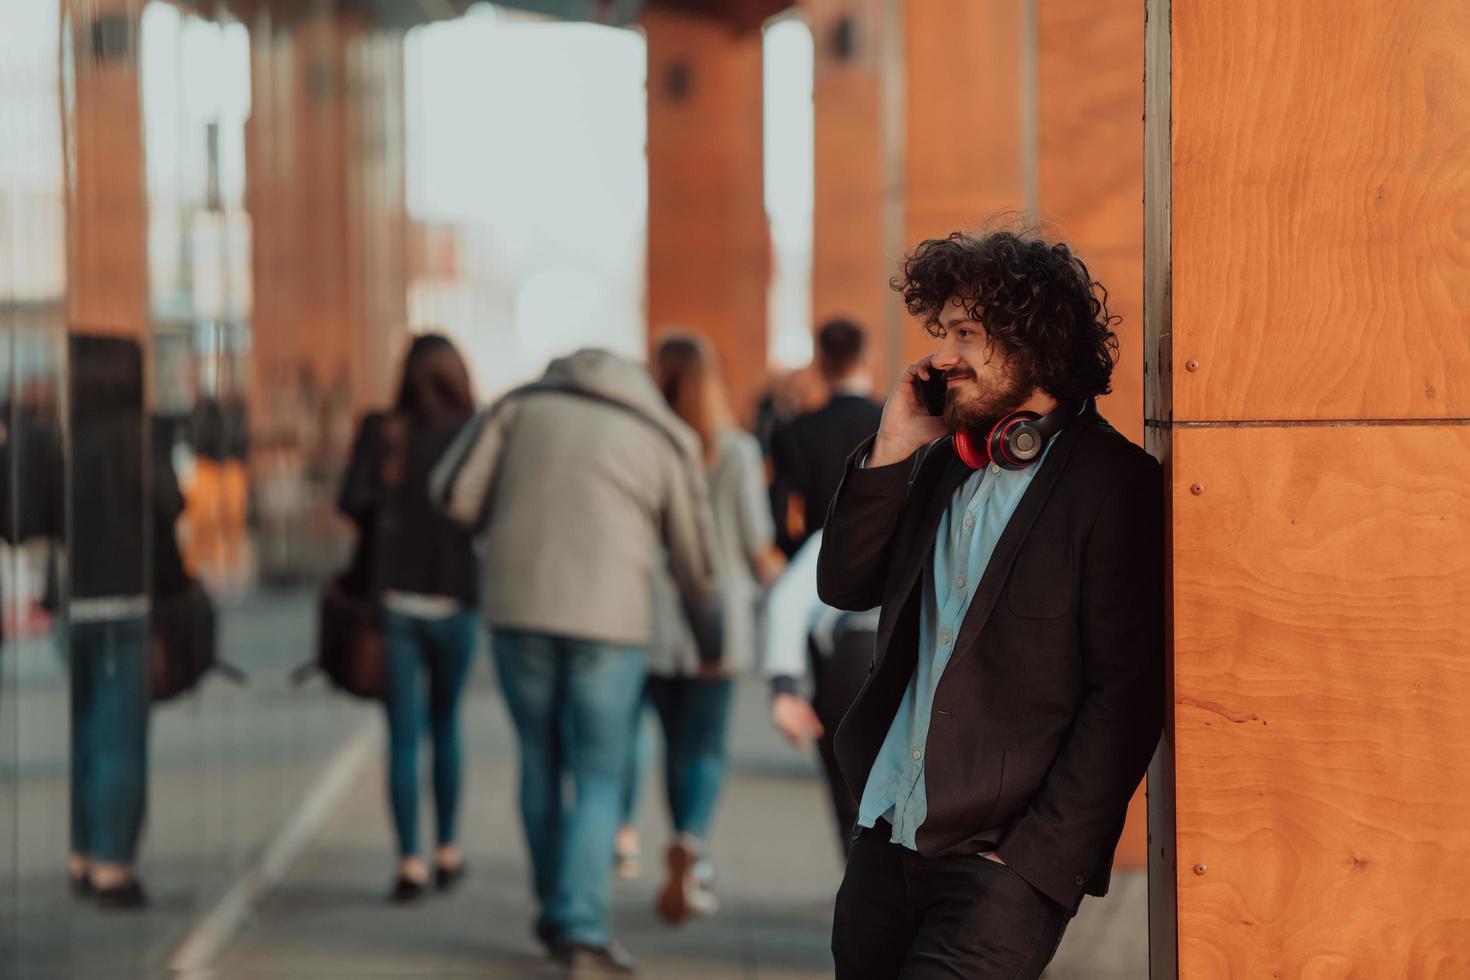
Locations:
963 112
1322 677
1321 201
1089 108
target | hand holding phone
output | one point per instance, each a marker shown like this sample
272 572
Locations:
909 416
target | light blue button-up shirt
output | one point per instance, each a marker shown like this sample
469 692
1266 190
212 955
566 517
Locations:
978 512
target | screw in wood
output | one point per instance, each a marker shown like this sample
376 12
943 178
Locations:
1197 489
1199 869
1191 365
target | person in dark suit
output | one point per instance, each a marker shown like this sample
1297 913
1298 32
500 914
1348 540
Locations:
808 455
1017 689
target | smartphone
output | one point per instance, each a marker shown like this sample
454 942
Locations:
931 392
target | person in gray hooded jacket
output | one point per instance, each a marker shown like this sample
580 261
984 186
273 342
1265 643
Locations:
584 485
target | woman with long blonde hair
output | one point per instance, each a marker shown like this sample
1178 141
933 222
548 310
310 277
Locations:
693 704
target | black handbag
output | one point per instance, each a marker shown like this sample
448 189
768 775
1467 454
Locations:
349 642
350 648
183 644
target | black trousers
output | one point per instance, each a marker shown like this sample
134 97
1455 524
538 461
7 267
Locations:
900 915
836 681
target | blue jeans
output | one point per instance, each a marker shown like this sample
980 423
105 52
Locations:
109 725
695 716
445 648
573 704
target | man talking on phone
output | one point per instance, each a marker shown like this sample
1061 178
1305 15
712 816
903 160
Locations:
1015 543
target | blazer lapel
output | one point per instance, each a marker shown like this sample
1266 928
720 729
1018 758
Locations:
952 473
1011 539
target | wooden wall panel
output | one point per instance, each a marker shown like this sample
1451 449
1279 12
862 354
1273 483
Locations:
1089 107
1321 167
1322 673
708 243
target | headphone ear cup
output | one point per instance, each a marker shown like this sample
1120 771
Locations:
1016 442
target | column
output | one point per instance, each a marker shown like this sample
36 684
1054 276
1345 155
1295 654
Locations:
107 207
1306 273
708 243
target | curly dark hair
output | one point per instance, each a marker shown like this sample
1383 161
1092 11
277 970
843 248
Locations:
1033 297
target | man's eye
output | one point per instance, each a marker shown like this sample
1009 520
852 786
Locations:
965 333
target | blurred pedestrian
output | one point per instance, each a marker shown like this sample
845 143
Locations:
585 484
108 540
806 637
808 453
422 565
692 700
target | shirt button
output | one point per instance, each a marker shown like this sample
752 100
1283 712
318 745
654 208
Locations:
959 583
944 639
969 523
994 468
1079 881
918 755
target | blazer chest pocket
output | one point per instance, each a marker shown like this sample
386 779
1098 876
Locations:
1041 585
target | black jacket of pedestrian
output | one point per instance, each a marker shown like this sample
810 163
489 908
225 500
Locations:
1050 707
808 456
406 544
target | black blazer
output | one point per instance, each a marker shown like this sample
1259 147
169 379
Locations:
809 455
1050 707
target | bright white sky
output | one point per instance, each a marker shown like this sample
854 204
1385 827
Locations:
533 134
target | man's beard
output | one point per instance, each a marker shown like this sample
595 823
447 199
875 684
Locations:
978 414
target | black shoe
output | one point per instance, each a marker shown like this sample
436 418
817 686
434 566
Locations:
406 890
548 934
607 960
129 895
81 886
446 878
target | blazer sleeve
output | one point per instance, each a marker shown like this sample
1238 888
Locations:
861 522
1057 843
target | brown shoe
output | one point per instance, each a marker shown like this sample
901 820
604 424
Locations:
673 899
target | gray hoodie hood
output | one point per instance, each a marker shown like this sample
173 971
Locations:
614 378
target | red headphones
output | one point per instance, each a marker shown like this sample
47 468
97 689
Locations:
1016 441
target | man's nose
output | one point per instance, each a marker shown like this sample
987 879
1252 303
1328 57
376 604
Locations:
945 358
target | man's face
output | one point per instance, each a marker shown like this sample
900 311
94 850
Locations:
985 382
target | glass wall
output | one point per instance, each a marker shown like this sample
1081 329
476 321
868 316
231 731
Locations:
34 736
154 510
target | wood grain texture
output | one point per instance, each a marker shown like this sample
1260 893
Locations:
1321 199
1321 677
1089 105
708 245
963 111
